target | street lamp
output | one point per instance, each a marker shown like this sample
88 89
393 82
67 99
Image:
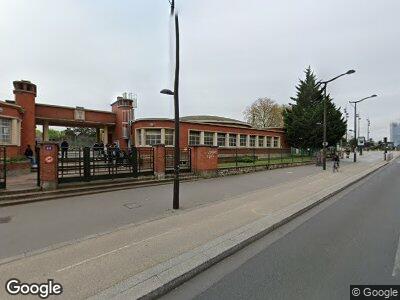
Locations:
355 121
325 83
175 93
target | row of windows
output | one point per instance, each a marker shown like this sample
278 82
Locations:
233 141
5 131
153 137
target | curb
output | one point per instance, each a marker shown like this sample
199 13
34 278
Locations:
162 278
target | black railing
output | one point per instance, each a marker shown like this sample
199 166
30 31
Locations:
252 157
3 167
185 164
86 164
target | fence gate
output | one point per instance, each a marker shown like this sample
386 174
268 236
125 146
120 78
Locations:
3 168
86 164
185 164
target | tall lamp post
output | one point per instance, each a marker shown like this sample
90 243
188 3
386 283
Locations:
175 93
355 122
325 83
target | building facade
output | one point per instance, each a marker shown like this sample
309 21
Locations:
395 133
20 117
227 134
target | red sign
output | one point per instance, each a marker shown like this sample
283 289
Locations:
49 159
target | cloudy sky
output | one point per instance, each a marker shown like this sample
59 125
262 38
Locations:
86 52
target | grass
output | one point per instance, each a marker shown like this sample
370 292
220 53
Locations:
264 162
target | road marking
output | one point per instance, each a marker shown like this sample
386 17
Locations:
396 266
113 251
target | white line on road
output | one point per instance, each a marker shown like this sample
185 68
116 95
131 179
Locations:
113 251
396 266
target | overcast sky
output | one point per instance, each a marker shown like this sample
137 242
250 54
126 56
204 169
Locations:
86 52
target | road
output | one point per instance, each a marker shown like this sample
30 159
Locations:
350 239
38 225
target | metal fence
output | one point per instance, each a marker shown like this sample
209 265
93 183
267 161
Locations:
3 167
240 157
96 163
185 164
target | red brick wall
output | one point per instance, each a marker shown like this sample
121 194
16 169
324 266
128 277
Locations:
204 159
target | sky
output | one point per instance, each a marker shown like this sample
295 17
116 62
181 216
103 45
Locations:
87 52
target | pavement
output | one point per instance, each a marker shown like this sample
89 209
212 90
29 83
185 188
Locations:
38 225
353 240
138 258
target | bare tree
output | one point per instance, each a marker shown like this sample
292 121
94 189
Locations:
264 113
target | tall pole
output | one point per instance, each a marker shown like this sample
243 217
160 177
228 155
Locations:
177 157
324 142
355 132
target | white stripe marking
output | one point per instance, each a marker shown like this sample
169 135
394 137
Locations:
113 251
396 266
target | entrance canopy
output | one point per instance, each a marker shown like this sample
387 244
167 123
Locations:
54 115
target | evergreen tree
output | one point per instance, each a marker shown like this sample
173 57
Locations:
303 120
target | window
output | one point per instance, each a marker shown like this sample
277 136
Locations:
194 138
252 141
276 142
5 131
169 137
221 139
208 138
153 136
269 141
243 140
139 137
260 141
232 140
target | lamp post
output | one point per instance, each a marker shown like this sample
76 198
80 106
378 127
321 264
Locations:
325 83
175 93
355 122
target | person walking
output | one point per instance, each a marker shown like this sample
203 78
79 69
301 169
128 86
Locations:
336 160
29 154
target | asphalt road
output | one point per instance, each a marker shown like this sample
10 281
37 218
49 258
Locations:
350 239
38 225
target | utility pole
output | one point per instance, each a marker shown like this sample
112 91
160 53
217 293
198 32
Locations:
175 93
325 142
368 132
355 122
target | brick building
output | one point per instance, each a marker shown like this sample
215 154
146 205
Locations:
227 134
19 118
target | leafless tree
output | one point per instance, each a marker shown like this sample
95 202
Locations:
264 113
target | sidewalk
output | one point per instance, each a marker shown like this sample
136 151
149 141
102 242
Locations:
137 259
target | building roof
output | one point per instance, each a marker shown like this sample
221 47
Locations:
215 120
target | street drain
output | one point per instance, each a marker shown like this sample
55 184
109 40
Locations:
132 205
5 219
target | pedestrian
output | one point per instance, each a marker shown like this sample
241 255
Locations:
64 149
29 154
336 160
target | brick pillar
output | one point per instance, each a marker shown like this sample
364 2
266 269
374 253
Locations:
48 165
25 94
159 161
204 160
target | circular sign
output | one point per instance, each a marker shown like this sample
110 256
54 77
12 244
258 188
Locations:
49 159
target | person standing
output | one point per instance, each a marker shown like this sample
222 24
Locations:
29 154
64 149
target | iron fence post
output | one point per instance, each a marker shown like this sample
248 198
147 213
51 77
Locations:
86 163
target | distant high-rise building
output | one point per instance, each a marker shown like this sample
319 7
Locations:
395 133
